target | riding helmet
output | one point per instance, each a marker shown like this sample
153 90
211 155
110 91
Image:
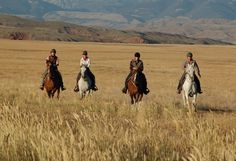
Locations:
189 54
137 54
53 51
85 52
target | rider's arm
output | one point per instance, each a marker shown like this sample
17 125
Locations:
81 62
57 62
131 65
140 66
184 65
88 63
47 62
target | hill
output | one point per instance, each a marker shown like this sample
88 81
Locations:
16 28
214 19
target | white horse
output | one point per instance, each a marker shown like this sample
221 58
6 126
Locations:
83 83
189 86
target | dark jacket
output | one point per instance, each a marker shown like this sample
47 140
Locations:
136 65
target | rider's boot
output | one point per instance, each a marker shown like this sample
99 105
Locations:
124 90
76 89
63 88
146 91
41 87
95 88
178 91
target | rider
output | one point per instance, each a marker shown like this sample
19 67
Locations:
52 59
181 82
85 61
136 65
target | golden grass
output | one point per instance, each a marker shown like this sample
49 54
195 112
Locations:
104 126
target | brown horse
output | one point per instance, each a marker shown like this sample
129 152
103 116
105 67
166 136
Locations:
135 93
51 84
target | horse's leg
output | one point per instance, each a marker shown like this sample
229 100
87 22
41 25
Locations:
184 98
49 94
137 98
81 94
132 99
58 93
84 94
195 102
140 97
187 99
53 92
89 92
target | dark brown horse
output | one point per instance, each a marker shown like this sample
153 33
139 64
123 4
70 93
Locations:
51 83
135 93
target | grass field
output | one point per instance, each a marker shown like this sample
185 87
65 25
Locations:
105 126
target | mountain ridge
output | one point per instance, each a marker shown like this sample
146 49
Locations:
139 15
16 28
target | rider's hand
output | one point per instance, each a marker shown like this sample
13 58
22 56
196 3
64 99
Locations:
134 68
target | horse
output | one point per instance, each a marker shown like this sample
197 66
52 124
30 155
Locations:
83 83
51 84
135 92
189 87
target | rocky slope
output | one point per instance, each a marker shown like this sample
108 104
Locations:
24 29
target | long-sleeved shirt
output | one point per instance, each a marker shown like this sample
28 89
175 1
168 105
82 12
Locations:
137 64
52 60
85 62
196 67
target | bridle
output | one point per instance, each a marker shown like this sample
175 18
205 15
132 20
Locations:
190 76
83 71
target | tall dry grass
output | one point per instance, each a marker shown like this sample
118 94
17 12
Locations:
105 126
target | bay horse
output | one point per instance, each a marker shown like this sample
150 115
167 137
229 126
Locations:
135 92
83 83
51 82
189 86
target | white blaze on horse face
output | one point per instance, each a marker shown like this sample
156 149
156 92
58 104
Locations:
190 70
83 84
82 70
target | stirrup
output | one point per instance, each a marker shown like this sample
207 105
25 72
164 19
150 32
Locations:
146 91
124 90
95 88
76 89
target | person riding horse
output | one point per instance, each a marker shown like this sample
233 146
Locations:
136 66
52 61
85 61
196 67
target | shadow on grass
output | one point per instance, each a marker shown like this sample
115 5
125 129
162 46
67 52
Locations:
207 108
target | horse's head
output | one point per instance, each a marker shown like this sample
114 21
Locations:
189 70
51 70
83 71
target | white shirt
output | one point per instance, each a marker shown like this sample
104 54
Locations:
85 63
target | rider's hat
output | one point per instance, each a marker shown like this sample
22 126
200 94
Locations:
85 52
137 54
53 51
189 54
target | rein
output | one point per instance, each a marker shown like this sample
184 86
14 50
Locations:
192 78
